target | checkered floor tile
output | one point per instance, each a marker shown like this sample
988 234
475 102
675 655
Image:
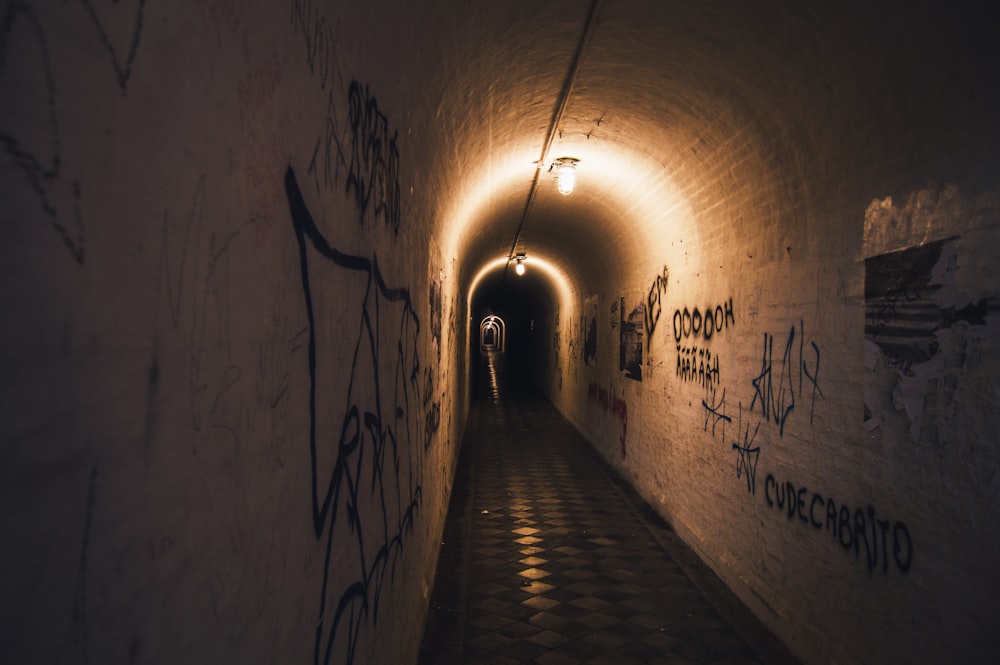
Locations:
558 566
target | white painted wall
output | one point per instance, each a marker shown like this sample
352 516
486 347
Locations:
836 461
179 483
183 481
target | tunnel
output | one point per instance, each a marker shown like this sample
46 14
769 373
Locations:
744 250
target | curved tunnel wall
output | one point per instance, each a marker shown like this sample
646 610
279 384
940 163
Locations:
529 305
231 394
795 420
241 238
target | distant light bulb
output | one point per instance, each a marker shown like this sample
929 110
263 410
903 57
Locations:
566 179
519 268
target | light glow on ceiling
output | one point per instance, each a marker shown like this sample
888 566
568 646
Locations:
555 276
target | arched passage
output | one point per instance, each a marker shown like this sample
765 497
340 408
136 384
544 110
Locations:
254 349
492 333
530 306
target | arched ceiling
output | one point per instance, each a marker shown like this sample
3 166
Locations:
682 113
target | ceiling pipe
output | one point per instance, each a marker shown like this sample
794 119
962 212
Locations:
557 114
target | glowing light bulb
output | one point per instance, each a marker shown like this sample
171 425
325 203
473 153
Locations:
519 268
566 178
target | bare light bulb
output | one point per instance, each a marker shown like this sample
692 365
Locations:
566 178
519 268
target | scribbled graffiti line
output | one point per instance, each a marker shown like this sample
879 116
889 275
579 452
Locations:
121 65
747 454
716 411
777 397
654 301
42 165
380 434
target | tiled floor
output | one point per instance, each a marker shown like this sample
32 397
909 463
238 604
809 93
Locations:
548 558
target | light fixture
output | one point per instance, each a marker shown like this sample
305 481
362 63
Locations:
519 266
565 168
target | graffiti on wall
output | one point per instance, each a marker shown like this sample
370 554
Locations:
654 301
775 389
588 330
372 488
698 365
320 41
776 386
365 157
435 301
556 346
693 324
121 46
630 341
611 404
747 454
375 471
861 530
258 87
373 172
693 330
789 377
39 156
36 150
795 375
366 470
356 149
714 405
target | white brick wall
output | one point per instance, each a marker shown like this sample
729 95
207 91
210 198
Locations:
179 468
